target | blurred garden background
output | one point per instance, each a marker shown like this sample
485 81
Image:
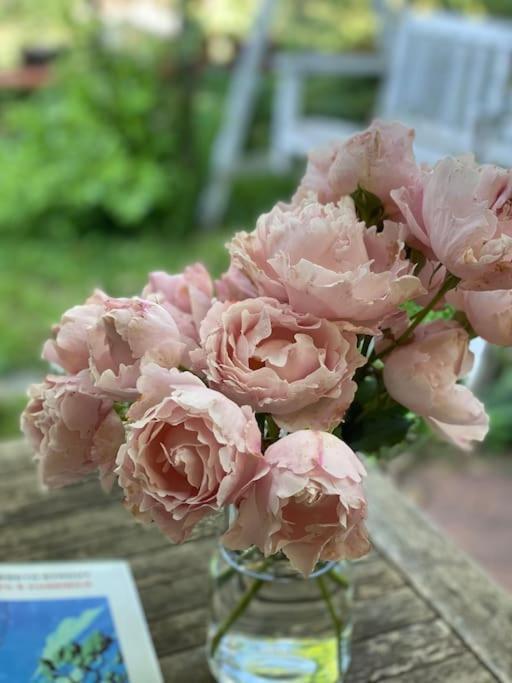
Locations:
108 113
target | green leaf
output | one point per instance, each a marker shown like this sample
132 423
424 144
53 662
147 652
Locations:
367 390
272 430
121 408
384 425
418 258
369 208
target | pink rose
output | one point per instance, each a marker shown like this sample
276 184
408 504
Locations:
189 452
72 429
323 261
234 286
69 348
128 331
432 277
187 296
489 313
409 200
310 505
379 159
462 213
422 375
295 366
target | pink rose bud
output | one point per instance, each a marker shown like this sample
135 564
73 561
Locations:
69 348
73 430
234 286
489 313
187 296
295 366
323 261
379 160
310 505
128 331
462 213
190 451
422 375
432 276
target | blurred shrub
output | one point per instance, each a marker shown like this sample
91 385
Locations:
324 25
119 142
497 397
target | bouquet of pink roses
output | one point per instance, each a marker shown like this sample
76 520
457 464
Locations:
343 320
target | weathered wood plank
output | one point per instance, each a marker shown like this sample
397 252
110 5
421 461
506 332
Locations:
463 668
476 608
178 667
401 651
393 609
176 633
179 642
12 453
398 635
175 596
374 577
459 669
172 561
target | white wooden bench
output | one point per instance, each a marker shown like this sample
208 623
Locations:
448 76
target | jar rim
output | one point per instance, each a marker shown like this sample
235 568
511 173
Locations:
230 557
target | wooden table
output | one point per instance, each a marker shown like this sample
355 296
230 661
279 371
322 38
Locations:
424 613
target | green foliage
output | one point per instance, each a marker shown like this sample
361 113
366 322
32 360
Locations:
325 25
498 402
348 97
375 423
368 207
40 279
10 411
118 143
49 10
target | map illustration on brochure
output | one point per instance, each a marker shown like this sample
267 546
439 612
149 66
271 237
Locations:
73 621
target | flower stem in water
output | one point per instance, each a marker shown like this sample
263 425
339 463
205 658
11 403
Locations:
338 624
237 611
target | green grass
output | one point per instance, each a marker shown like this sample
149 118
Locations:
39 279
10 410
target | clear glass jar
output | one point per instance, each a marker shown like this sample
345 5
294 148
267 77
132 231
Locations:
268 623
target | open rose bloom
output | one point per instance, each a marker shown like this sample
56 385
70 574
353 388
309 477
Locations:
262 390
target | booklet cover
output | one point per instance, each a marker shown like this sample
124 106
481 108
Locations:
79 622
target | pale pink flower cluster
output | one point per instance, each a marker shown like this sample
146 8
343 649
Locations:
201 394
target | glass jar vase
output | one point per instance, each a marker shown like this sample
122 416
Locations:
269 623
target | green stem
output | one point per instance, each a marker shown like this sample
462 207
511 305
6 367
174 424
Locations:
237 611
339 579
338 625
231 571
272 429
450 282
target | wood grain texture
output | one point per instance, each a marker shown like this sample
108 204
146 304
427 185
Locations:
460 592
405 626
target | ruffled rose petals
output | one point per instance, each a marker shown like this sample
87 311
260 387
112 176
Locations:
322 260
187 296
462 214
310 505
190 451
422 375
72 429
378 160
293 365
